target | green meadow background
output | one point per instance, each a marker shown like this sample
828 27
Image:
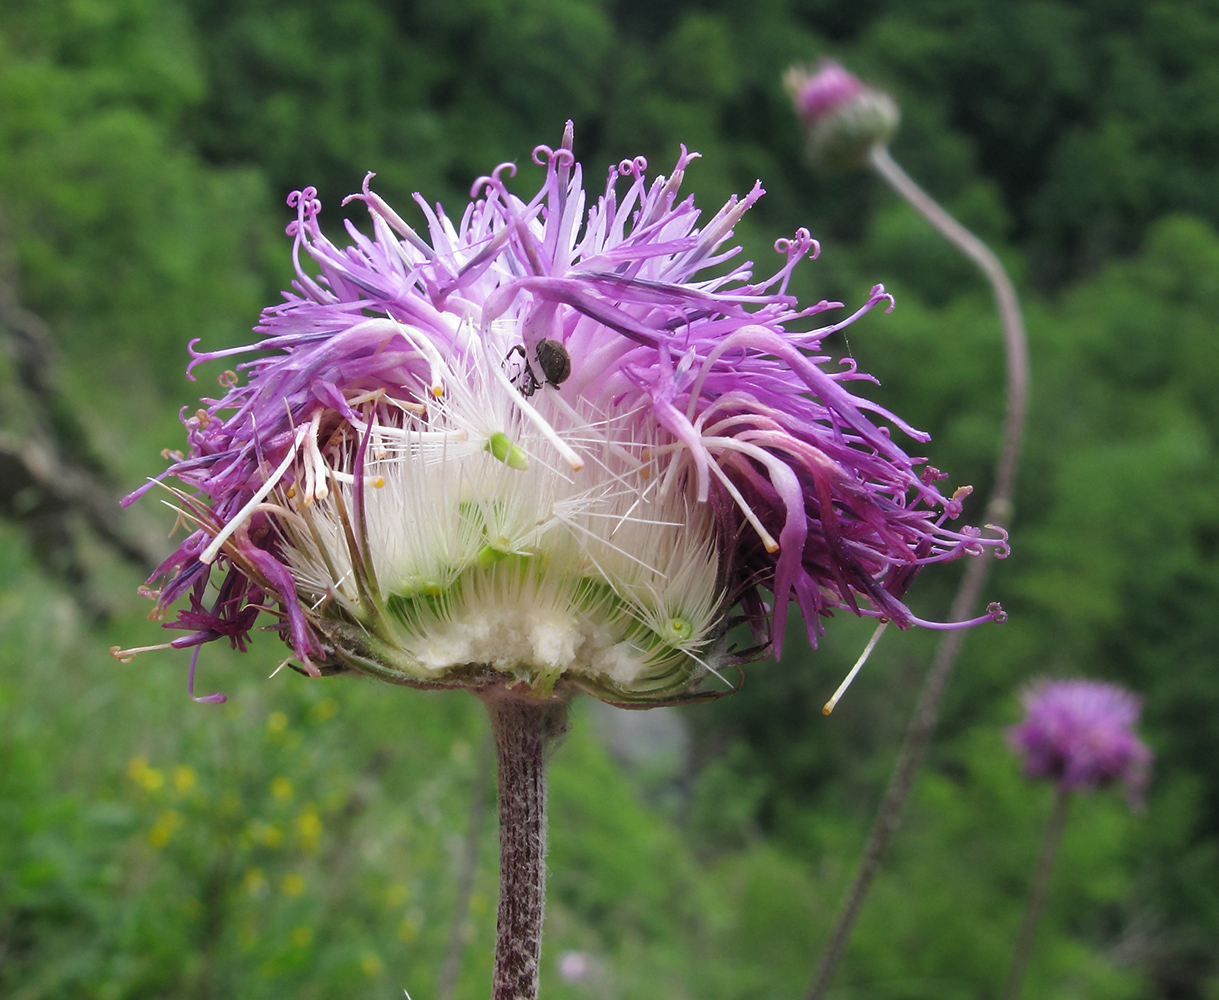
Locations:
306 839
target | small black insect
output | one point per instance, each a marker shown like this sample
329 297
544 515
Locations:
554 361
552 358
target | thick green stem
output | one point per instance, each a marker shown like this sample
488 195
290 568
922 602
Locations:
522 727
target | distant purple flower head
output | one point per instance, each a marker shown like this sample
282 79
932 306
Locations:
552 443
1081 735
822 93
843 117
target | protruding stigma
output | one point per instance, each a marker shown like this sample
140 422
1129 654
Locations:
828 707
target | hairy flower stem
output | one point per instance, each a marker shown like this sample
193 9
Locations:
522 728
1034 906
998 512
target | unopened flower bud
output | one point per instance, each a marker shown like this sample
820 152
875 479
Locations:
844 118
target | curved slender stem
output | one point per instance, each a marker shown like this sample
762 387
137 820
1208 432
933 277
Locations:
1015 340
1039 891
998 512
522 727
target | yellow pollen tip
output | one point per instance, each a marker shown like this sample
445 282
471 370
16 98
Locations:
378 482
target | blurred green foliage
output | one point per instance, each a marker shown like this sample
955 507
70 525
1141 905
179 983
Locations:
303 839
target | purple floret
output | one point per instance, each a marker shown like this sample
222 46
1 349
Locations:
1081 735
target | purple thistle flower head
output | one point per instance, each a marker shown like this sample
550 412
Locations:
1081 735
823 92
843 117
552 443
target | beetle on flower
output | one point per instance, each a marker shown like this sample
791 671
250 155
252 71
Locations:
549 444
553 447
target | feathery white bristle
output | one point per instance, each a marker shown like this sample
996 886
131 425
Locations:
545 567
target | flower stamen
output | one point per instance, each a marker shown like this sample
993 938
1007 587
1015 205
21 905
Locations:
208 556
830 705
